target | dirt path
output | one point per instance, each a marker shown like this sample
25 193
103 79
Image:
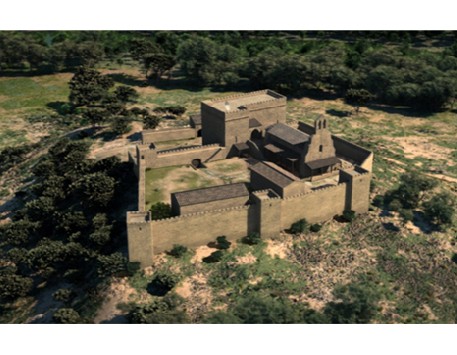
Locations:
119 291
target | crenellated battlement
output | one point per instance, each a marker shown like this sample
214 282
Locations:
186 149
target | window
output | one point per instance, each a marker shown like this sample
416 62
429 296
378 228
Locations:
320 148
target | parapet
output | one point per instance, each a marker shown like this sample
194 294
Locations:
234 104
137 217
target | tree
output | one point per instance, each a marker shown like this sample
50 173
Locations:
412 189
161 210
125 94
66 316
88 87
151 122
97 189
214 257
13 286
358 97
356 304
440 209
120 124
110 265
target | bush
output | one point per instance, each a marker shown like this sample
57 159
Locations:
406 214
222 242
299 227
378 201
214 257
315 227
395 205
454 258
161 210
162 283
440 210
252 239
66 316
348 215
178 251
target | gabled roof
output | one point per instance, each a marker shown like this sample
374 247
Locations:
274 173
208 194
288 134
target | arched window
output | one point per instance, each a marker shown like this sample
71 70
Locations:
325 123
320 125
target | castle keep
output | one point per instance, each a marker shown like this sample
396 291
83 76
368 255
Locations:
295 172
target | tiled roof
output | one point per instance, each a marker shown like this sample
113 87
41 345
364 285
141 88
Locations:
288 134
274 173
208 194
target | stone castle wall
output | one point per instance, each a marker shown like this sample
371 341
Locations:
168 134
261 216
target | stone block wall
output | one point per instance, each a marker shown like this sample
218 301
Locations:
168 134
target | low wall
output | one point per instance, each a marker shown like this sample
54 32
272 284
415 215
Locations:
186 155
201 228
167 134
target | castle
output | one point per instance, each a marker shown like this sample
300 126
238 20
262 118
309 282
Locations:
295 173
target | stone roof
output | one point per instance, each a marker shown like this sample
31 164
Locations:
288 134
320 163
208 194
274 173
243 101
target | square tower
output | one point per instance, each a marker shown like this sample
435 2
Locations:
238 118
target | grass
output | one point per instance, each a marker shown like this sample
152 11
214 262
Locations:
24 94
154 178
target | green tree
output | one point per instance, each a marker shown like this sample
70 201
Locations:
126 94
440 209
358 97
88 87
300 226
12 285
412 189
66 316
150 121
111 265
222 242
97 189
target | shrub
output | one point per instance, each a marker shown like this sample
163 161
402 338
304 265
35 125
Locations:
214 257
440 210
315 227
395 205
161 210
222 242
252 239
406 214
378 201
299 227
348 215
178 251
454 258
162 283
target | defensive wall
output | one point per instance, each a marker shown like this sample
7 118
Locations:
168 134
265 208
